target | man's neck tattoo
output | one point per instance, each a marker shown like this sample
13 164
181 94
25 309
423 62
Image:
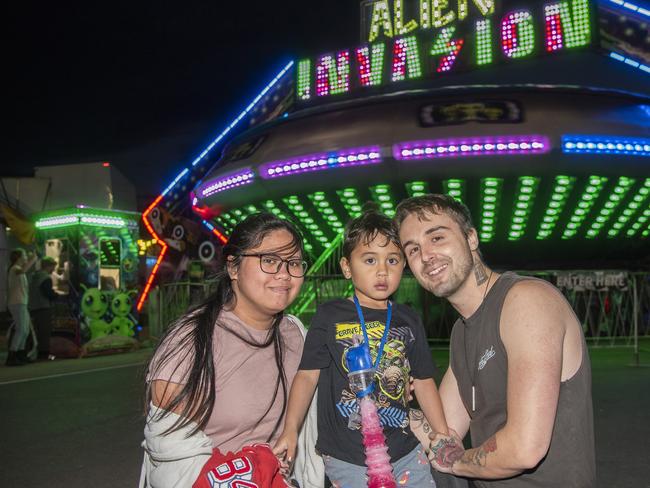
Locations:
480 274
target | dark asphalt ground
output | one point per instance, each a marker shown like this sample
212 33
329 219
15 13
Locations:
78 423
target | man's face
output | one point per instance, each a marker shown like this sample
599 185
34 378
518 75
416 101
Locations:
438 252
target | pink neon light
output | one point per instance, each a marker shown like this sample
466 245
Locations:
363 62
477 146
399 60
509 35
554 34
227 182
447 62
325 85
320 162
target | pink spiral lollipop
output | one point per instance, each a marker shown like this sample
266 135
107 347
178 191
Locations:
380 472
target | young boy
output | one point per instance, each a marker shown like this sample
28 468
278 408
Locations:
373 259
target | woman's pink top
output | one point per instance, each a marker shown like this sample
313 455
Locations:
245 380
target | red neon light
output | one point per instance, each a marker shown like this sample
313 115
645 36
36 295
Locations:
158 240
220 236
106 164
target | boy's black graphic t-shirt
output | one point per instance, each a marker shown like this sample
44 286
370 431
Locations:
406 353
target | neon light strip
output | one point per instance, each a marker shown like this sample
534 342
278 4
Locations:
640 222
56 221
632 146
454 188
629 61
243 113
322 161
634 8
478 146
637 202
219 138
351 201
176 180
227 182
587 201
161 256
559 198
80 218
615 198
491 196
213 229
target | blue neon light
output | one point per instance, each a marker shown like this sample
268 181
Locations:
244 113
634 8
630 62
230 127
632 146
176 180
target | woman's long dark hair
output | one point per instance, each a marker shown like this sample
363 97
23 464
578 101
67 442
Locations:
195 331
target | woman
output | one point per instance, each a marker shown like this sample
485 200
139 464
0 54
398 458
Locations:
220 376
17 299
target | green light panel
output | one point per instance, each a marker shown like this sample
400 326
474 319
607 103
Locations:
319 200
350 200
490 198
417 188
83 217
381 20
561 192
639 224
304 79
277 211
400 27
297 208
632 208
526 193
455 188
614 200
483 42
382 195
587 200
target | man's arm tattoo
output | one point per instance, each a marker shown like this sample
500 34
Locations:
418 419
446 452
478 456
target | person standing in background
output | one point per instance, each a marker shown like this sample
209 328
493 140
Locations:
41 297
17 299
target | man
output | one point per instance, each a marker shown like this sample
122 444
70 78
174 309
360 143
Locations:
41 295
519 377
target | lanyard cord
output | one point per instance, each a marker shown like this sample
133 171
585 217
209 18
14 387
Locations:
362 322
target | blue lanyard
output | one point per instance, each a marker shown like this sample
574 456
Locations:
362 322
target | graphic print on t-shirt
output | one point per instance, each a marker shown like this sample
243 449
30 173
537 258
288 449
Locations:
391 377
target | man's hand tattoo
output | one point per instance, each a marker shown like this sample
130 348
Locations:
445 452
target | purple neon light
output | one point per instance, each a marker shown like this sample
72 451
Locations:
476 146
226 182
321 161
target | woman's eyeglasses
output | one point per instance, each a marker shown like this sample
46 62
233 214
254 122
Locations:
271 264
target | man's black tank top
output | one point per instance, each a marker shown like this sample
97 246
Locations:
478 357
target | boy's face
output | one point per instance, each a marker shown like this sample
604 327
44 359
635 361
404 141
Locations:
376 269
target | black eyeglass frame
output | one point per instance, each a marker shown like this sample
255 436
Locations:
304 263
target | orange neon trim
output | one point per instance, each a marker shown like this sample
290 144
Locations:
221 237
157 240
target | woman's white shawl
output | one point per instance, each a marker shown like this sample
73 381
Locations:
175 460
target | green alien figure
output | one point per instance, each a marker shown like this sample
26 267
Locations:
122 323
94 305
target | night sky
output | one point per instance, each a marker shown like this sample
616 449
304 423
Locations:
147 85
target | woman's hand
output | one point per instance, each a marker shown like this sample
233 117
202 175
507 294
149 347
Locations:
285 451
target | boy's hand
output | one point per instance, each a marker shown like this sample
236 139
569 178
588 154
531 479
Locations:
285 451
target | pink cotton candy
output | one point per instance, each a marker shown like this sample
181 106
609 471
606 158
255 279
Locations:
380 472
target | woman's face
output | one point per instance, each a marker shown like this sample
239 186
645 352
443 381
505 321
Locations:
263 293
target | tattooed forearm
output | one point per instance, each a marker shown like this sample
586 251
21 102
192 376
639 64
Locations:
418 421
446 452
478 456
479 273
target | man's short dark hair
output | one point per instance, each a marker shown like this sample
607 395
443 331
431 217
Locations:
437 204
47 261
366 227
